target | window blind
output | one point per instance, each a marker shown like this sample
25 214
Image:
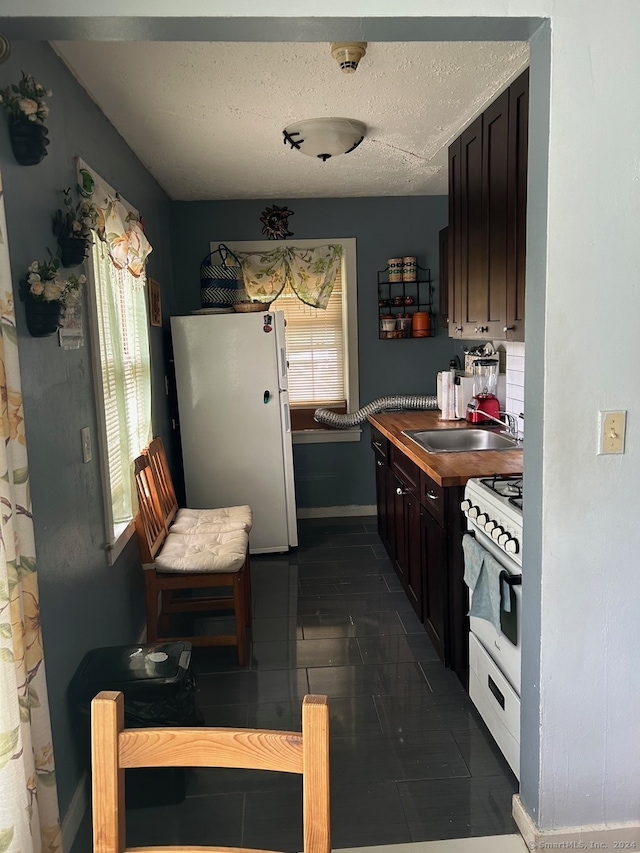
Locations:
315 348
126 374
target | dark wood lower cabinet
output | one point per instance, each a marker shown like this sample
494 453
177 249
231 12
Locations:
420 525
405 545
434 600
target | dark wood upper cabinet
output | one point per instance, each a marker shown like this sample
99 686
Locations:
454 231
487 229
492 299
443 273
517 204
472 236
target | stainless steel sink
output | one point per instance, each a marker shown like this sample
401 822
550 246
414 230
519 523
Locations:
461 440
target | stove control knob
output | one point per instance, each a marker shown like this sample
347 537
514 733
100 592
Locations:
512 546
482 519
473 512
490 525
466 505
497 532
503 538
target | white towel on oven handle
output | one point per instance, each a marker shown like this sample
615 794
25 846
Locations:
482 576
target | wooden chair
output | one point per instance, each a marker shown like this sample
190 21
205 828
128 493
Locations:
174 563
183 520
114 748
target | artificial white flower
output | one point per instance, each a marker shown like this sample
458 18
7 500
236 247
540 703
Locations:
32 118
76 226
53 290
34 267
48 93
44 111
37 288
28 106
33 278
82 279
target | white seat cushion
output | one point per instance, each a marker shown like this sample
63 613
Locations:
213 520
210 552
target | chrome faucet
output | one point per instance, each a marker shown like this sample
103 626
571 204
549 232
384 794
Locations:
510 423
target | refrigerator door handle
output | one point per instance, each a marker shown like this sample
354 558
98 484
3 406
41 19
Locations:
287 418
283 362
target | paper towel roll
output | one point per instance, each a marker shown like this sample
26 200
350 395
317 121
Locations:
447 394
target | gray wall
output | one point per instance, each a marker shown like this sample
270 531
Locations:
336 474
84 602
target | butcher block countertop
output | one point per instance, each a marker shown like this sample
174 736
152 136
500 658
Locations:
447 469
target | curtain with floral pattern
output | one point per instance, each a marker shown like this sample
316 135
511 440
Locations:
29 820
118 225
309 272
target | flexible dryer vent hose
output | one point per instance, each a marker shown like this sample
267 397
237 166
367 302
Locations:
384 404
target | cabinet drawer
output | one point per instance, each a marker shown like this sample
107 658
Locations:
379 442
432 497
407 470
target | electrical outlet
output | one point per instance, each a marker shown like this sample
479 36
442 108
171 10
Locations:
86 444
612 427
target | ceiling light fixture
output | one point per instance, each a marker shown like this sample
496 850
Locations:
348 54
324 137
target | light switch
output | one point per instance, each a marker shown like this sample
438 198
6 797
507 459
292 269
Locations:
86 444
612 429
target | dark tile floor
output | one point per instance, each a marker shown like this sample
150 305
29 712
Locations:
410 757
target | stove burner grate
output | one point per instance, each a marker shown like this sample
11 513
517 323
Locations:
507 487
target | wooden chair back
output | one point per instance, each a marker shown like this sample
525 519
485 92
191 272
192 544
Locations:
150 525
157 457
115 748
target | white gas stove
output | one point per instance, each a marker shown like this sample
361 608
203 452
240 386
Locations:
493 505
493 508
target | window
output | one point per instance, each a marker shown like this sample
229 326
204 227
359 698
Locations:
322 346
123 381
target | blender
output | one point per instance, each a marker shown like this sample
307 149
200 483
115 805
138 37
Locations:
484 406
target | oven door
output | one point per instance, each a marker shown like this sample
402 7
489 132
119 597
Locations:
504 647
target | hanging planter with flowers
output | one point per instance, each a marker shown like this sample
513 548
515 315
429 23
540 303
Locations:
46 295
73 227
26 111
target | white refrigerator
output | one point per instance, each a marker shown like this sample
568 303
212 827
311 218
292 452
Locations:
235 425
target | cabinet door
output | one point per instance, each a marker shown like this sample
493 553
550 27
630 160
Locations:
434 587
490 302
382 497
473 250
443 291
517 205
413 567
454 241
397 525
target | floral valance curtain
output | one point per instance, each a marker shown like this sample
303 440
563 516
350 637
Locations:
309 272
119 225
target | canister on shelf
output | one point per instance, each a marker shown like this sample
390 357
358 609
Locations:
421 324
395 266
387 325
409 269
403 325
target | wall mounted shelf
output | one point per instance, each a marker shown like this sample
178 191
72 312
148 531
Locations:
399 301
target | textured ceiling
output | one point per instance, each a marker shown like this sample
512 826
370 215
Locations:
206 118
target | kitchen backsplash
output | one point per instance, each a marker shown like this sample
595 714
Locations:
513 354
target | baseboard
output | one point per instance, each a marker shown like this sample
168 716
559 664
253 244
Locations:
76 811
335 511
623 836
